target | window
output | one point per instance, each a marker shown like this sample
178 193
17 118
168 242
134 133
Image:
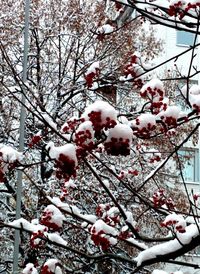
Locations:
190 160
184 38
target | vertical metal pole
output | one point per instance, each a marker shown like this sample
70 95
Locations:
21 136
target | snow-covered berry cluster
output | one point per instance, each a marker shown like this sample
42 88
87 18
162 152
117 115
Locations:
37 237
153 90
66 167
71 125
101 234
52 218
110 215
51 266
92 73
65 160
125 233
84 137
133 70
155 93
30 269
99 238
175 222
144 124
193 96
160 200
170 116
102 115
119 140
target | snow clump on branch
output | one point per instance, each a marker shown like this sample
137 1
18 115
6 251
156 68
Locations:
119 140
101 114
30 269
52 217
9 154
51 266
65 159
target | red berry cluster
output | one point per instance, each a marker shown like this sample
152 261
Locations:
45 270
169 120
89 79
34 141
159 200
132 69
133 172
66 167
123 235
145 130
196 197
156 107
2 176
91 76
192 6
72 124
64 193
175 9
196 107
96 118
117 146
82 137
123 174
46 219
84 142
118 6
174 224
155 159
99 239
152 93
179 8
101 209
36 241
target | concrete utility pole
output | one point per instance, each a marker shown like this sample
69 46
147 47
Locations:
21 136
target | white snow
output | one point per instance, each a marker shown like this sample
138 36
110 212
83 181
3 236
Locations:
171 111
145 120
49 121
68 150
168 247
93 68
107 111
120 131
53 266
105 29
158 271
9 154
22 223
56 238
135 242
71 209
54 214
30 269
100 225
